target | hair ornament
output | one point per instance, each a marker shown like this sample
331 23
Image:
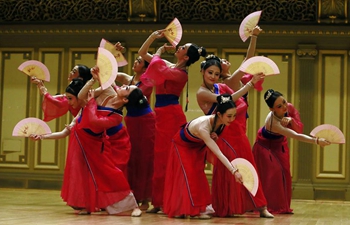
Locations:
200 51
141 101
269 93
225 99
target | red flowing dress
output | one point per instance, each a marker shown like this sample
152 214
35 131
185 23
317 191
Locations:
187 189
140 124
271 154
228 196
169 83
91 179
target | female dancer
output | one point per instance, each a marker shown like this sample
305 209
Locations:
140 123
91 179
57 105
271 150
169 80
186 187
229 197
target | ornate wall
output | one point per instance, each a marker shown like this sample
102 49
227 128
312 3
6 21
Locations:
308 39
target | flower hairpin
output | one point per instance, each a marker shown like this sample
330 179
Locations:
268 95
200 51
224 99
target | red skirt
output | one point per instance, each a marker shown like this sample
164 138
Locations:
140 166
169 120
228 196
272 160
186 189
91 179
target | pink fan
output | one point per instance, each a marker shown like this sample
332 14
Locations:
108 67
173 32
248 24
31 125
35 68
249 174
329 132
117 54
259 64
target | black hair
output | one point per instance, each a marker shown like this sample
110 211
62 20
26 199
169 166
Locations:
194 53
75 86
211 60
225 102
270 97
146 63
136 100
84 72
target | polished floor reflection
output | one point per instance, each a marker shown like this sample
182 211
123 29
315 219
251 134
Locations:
42 207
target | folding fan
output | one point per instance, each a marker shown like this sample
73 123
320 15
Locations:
249 174
173 32
248 24
329 132
31 125
108 67
35 68
117 54
259 64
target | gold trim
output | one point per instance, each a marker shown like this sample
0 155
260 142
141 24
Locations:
126 29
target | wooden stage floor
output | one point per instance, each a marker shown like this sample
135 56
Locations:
44 207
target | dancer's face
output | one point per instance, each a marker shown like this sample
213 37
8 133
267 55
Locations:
280 106
211 75
72 100
228 117
74 73
139 65
125 90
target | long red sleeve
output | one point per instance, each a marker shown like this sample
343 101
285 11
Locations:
296 123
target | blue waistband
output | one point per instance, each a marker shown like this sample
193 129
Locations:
164 100
109 132
133 112
183 136
269 135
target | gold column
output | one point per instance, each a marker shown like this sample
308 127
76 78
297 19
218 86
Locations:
303 187
142 11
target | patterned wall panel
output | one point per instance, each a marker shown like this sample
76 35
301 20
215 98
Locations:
210 11
190 11
49 154
63 10
332 80
333 11
15 151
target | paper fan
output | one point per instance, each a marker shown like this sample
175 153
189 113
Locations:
248 24
29 126
259 64
329 132
173 32
117 54
35 68
249 174
108 67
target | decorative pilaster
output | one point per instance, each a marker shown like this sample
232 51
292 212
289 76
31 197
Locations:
333 11
306 75
142 10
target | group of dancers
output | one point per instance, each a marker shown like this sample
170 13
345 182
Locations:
158 157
